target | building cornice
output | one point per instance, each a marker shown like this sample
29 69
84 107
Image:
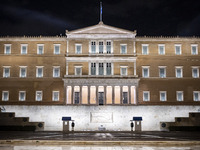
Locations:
101 59
33 38
167 38
100 36
94 81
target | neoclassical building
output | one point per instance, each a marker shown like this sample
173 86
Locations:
100 65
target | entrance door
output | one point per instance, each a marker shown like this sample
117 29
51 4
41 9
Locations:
76 98
100 96
125 97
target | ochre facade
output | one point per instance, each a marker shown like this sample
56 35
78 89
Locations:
100 65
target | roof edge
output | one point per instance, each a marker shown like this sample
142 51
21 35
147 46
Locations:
100 24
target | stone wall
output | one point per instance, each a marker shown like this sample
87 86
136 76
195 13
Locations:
112 117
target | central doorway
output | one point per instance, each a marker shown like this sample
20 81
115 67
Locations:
101 98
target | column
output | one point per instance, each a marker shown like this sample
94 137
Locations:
112 68
89 94
89 47
97 47
97 68
135 69
97 94
67 47
104 68
66 68
121 90
113 94
111 47
72 95
65 94
134 49
136 95
105 93
104 47
80 94
129 94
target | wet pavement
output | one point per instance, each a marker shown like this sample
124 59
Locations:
101 136
18 140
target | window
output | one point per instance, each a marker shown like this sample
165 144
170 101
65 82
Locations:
178 49
163 96
108 47
39 72
93 47
146 96
161 49
22 95
38 96
108 68
55 96
179 95
101 47
6 71
93 68
101 69
123 48
7 49
40 49
76 97
24 48
56 71
179 72
78 48
123 70
5 95
56 49
195 72
78 70
162 71
145 71
145 49
194 49
22 72
196 95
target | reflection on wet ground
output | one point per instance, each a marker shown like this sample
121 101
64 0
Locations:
99 140
32 147
100 136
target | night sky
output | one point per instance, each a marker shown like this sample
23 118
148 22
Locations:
53 17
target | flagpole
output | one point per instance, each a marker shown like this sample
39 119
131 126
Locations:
100 11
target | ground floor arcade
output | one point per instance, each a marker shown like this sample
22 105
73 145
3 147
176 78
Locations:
101 92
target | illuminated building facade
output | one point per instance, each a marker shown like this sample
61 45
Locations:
100 66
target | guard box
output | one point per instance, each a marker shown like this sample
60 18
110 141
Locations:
138 123
66 124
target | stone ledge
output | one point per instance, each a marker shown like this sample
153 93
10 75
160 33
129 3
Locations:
127 143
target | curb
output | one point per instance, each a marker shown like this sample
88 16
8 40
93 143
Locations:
125 143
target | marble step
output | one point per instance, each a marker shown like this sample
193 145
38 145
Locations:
185 120
194 115
184 128
17 128
39 126
15 119
7 114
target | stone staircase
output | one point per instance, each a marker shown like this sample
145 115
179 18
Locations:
191 123
8 122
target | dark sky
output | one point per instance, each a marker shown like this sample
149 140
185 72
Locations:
53 17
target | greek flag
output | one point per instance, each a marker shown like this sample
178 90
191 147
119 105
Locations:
101 8
100 11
